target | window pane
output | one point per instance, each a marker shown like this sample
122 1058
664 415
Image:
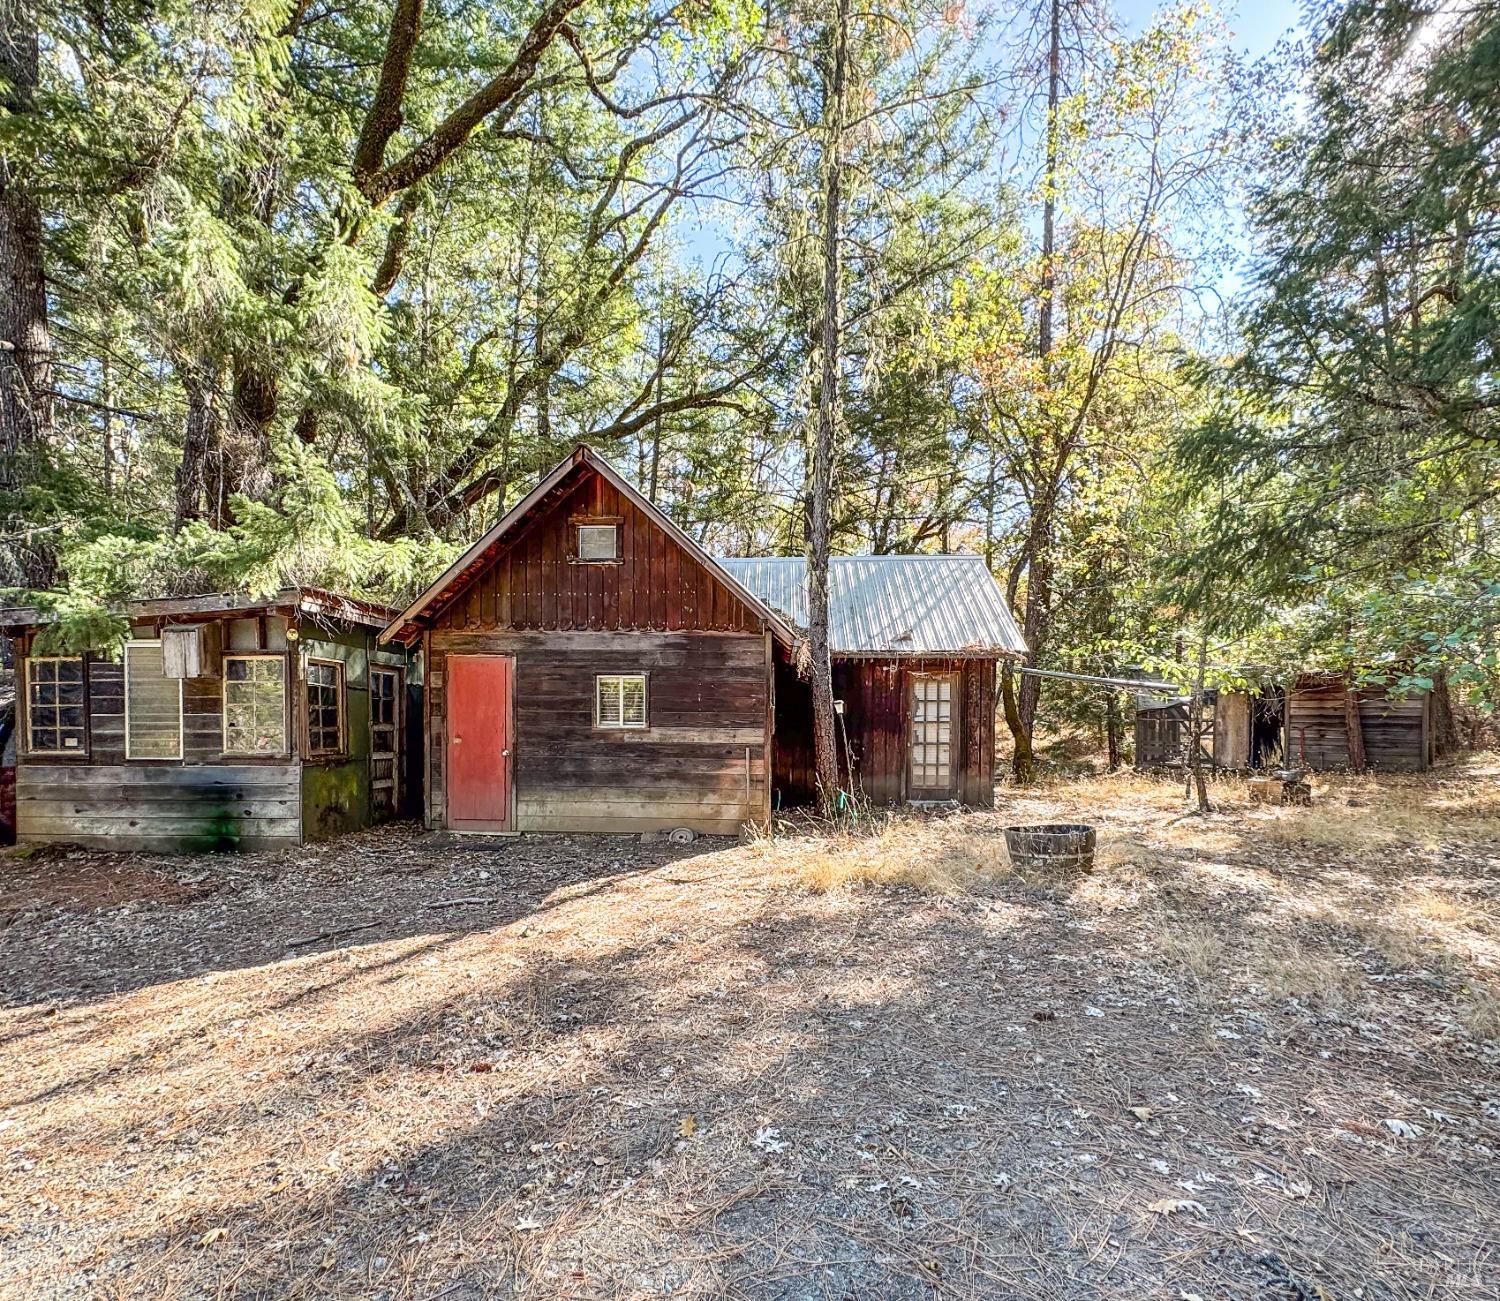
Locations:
255 705
597 542
633 706
324 691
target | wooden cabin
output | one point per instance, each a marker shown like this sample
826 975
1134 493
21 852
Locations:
915 641
591 668
1396 734
222 723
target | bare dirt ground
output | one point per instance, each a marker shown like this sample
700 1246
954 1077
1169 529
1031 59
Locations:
1251 1056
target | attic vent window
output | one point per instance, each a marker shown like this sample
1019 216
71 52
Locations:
598 543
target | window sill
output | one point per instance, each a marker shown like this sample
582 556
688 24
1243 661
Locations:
575 560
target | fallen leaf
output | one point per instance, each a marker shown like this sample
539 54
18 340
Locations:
211 1237
1402 1128
688 1128
1143 1113
1176 1205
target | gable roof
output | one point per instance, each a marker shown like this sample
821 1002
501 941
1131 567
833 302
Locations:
406 625
893 605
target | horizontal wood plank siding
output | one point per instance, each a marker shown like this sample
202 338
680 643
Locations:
701 762
158 807
1395 731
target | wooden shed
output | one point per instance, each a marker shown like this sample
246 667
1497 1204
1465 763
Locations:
591 668
223 722
915 641
1396 734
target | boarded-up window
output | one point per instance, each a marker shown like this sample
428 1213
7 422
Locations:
254 704
55 706
325 707
153 705
597 542
621 700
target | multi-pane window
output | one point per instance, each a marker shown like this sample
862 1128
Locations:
254 704
153 704
55 721
931 733
325 707
598 542
620 700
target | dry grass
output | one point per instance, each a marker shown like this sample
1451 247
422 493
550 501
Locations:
876 1064
941 855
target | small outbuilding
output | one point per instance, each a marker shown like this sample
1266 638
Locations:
223 722
1330 725
590 667
916 641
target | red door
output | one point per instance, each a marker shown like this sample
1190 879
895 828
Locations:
480 736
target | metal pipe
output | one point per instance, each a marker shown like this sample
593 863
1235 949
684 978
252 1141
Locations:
1123 684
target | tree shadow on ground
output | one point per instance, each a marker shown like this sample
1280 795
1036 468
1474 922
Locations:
702 1080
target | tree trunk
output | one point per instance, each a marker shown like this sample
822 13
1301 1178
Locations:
200 477
1021 702
1113 731
1197 728
825 743
1353 727
245 438
1445 738
26 404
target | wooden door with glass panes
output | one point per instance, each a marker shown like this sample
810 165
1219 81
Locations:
932 768
385 742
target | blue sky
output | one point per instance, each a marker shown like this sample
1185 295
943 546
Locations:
1257 24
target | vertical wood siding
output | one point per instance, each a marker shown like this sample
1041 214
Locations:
532 583
877 721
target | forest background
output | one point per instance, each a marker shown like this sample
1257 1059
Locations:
1198 349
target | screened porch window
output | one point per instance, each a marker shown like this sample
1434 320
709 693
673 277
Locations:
55 722
620 700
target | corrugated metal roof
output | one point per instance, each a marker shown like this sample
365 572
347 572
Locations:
893 605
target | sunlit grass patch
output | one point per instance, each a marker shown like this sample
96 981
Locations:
1480 1012
942 855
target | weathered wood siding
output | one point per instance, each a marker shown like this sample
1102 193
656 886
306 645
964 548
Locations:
1396 732
162 807
877 720
655 586
206 799
701 762
703 759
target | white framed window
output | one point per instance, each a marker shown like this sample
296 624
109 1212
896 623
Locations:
598 543
325 707
255 704
620 700
153 704
56 721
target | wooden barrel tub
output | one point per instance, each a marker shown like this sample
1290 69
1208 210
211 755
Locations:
1052 846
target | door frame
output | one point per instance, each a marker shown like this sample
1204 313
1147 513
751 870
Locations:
929 795
507 826
398 730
